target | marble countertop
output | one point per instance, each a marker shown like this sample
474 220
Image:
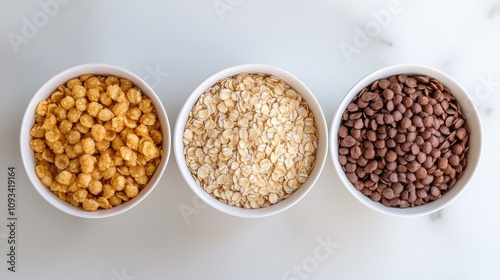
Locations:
174 45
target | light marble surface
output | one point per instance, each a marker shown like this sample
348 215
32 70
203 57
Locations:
175 45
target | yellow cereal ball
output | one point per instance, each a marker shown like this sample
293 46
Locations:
103 203
137 171
74 166
57 187
107 191
141 159
42 171
131 190
60 113
134 113
134 96
142 180
42 107
56 96
114 91
115 200
125 84
52 135
87 163
129 123
96 174
118 160
82 129
109 172
68 102
65 126
49 122
102 145
125 132
90 205
37 145
132 141
83 180
73 82
118 182
150 168
146 105
110 135
98 132
117 124
105 115
74 115
64 177
93 95
123 170
61 161
120 109
92 82
51 107
87 120
156 136
57 147
78 92
111 80
122 196
37 131
80 195
88 145
142 130
81 104
105 99
104 162
95 187
93 108
48 155
73 136
147 119
117 143
126 153
148 149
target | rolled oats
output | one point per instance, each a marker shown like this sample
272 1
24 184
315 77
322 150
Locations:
250 140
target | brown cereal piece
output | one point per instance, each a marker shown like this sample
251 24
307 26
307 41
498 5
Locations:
125 84
115 200
42 108
67 102
131 190
105 115
61 161
134 113
95 187
90 204
98 132
91 140
87 120
71 84
37 145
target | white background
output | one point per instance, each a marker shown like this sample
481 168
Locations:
182 43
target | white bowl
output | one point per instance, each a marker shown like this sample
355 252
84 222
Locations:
29 119
475 141
321 152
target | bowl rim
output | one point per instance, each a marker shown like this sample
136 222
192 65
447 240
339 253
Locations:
471 113
44 92
322 151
